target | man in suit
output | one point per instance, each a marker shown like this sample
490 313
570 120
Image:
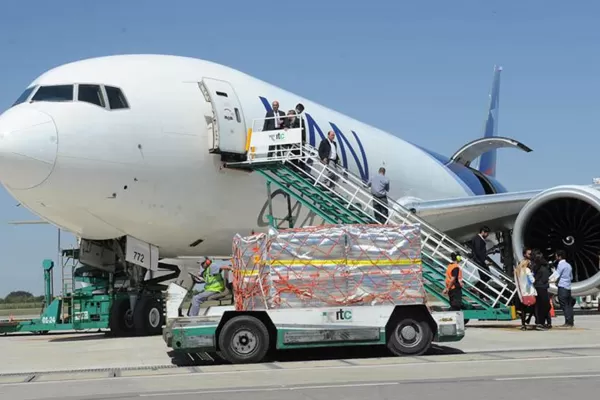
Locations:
305 165
299 111
479 247
328 155
274 119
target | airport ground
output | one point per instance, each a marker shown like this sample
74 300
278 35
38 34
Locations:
494 358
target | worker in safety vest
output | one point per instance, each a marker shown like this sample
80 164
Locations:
454 283
213 284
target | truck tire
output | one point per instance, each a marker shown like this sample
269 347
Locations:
148 316
410 337
244 340
120 320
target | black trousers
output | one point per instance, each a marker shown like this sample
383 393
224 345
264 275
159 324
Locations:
566 304
482 284
455 297
542 306
381 212
526 312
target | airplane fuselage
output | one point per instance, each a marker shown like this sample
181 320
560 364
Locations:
146 170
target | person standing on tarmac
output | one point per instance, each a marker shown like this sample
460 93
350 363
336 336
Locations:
563 276
524 281
541 274
454 283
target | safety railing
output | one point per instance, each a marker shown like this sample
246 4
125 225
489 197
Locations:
355 193
273 144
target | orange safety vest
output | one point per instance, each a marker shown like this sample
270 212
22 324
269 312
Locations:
449 275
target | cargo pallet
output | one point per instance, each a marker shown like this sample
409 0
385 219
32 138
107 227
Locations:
246 332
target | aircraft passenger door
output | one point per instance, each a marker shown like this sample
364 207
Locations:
228 125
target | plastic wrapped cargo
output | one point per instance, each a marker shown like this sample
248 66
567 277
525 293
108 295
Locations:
328 266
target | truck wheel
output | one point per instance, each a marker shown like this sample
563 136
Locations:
148 316
121 318
410 336
244 339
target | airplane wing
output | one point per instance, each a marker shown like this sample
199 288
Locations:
462 217
561 211
562 217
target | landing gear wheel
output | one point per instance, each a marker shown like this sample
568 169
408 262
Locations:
244 340
121 318
410 337
148 316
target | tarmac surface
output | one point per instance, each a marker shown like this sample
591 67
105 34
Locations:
498 390
92 366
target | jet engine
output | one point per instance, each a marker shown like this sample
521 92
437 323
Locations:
568 218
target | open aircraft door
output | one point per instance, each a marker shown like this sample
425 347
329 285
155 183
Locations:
228 125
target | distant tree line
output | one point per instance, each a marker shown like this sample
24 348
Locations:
20 297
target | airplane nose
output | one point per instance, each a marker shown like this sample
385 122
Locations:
28 147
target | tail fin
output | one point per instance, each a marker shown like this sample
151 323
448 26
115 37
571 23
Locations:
487 163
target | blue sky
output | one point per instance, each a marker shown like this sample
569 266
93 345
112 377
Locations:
422 70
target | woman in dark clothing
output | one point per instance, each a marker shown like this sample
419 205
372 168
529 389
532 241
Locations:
521 272
292 122
541 272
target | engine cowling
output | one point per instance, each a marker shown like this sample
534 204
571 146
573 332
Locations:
568 218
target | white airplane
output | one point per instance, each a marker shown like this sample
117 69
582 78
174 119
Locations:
134 146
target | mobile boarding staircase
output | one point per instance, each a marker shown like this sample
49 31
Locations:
340 197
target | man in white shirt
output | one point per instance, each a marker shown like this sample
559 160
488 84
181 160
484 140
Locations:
563 276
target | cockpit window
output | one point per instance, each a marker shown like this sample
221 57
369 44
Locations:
91 94
116 98
54 93
24 96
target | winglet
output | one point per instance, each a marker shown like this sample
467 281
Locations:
487 163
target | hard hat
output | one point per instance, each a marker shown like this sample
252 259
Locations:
207 261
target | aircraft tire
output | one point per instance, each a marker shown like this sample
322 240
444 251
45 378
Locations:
120 320
411 336
148 316
244 340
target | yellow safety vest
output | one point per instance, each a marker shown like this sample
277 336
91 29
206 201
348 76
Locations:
213 283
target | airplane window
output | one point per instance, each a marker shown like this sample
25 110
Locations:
54 93
24 96
116 98
91 94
